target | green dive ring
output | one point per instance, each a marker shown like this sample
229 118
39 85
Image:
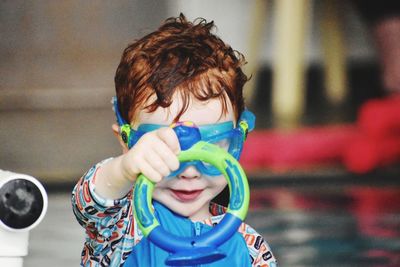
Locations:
204 248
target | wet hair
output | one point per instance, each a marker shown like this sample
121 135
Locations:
180 56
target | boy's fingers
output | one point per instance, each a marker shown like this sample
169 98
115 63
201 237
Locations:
168 136
157 163
149 171
168 148
158 150
166 155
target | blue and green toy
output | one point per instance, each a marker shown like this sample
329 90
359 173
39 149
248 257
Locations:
204 248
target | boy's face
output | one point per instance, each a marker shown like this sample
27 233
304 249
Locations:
190 192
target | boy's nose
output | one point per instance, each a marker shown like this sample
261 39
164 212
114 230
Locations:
189 173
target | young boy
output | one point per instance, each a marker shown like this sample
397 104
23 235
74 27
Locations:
181 72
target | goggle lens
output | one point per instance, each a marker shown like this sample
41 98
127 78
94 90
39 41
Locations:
223 135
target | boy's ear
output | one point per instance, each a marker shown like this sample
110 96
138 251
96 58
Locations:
115 129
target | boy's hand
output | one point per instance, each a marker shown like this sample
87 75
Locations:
154 155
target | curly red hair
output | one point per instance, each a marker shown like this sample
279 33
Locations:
180 56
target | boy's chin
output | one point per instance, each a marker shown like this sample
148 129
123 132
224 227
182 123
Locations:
193 211
188 211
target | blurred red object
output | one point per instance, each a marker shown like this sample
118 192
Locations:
366 153
297 148
380 117
372 142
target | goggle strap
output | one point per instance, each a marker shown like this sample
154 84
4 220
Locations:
244 128
120 120
124 127
125 133
246 122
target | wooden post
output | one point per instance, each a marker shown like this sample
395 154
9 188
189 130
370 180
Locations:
334 54
288 74
256 29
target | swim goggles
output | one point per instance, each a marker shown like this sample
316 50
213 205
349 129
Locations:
224 135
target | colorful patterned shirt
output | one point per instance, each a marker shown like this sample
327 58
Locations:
112 231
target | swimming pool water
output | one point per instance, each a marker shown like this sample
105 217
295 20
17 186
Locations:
329 226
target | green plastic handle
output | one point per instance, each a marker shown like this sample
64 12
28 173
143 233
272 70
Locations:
206 152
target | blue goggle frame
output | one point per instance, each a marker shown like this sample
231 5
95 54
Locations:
211 133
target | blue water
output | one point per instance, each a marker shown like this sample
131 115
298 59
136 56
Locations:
329 226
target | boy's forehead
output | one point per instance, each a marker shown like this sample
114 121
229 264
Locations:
200 112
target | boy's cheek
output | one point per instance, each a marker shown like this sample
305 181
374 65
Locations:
218 180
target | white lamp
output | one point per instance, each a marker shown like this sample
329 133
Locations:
23 204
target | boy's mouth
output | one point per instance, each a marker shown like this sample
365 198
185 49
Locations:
185 195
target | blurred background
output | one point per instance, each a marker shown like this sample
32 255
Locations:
328 190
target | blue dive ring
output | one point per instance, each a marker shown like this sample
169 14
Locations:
204 248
